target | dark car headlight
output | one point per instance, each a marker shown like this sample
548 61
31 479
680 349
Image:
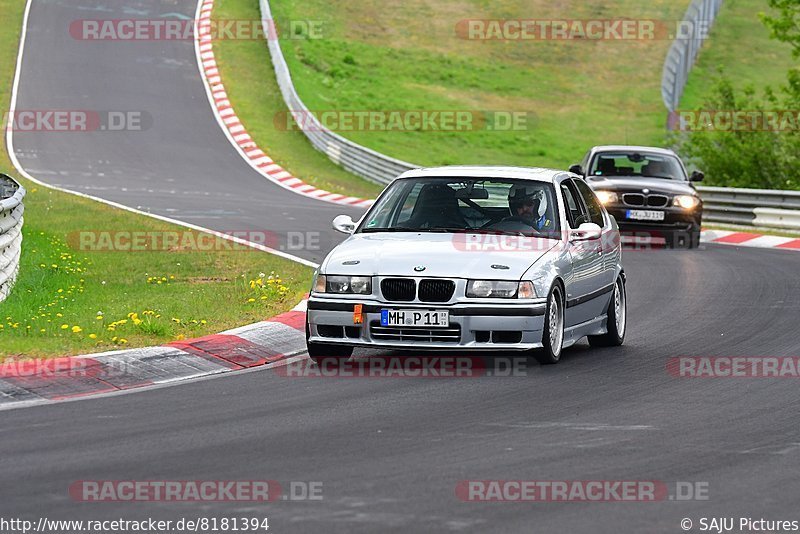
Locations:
687 202
606 197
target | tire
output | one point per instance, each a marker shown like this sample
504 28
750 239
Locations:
616 319
694 241
553 332
323 353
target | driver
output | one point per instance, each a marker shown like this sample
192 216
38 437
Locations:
528 204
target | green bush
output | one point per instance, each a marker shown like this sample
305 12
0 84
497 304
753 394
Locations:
760 158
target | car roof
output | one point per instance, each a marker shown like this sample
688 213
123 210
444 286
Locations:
633 148
485 171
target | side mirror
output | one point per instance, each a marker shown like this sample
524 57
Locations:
697 176
585 232
344 224
576 169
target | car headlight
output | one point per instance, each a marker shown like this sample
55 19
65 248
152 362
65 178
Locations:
606 197
687 202
500 289
344 285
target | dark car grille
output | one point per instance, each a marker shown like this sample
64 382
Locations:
436 290
399 289
639 199
633 199
657 201
451 334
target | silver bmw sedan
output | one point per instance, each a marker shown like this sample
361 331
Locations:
471 259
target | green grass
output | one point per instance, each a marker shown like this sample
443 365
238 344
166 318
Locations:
253 91
9 38
53 308
741 46
406 55
177 292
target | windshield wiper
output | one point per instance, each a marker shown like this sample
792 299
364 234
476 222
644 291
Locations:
407 229
392 229
446 229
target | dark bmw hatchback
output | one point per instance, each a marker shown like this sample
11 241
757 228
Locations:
647 190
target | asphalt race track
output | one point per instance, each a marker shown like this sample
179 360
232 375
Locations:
390 451
180 165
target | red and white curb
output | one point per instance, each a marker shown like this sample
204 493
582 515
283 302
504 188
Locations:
267 343
748 239
236 131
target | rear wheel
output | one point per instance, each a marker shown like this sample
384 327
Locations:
616 319
553 334
324 353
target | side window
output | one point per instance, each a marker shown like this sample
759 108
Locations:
575 213
591 203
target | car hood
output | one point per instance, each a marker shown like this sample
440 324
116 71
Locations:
441 254
629 183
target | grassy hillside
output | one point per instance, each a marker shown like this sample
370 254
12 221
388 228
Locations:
251 86
407 55
741 46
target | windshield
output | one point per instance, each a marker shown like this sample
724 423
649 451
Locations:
637 164
466 205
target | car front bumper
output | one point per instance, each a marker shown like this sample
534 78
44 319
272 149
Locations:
675 220
473 326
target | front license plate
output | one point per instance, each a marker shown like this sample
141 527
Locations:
645 215
426 318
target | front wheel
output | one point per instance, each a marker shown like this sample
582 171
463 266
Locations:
616 319
553 333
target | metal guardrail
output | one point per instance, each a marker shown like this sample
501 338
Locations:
767 208
359 160
697 21
11 208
